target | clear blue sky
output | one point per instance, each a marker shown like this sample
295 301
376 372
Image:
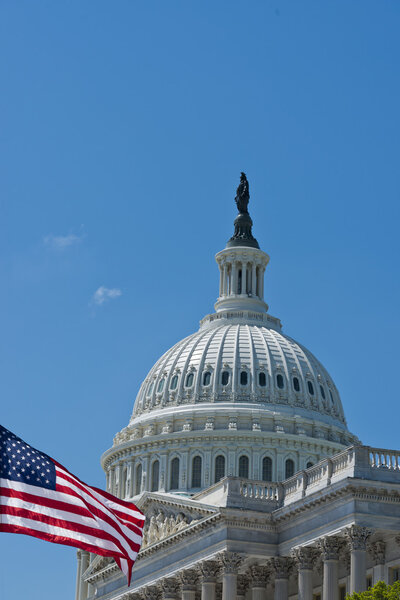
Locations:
124 127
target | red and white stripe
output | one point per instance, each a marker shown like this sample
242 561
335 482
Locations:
74 514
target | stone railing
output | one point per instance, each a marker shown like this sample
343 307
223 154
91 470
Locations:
384 459
260 490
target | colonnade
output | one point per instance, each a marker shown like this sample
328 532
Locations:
241 278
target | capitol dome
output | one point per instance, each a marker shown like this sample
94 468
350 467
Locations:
238 397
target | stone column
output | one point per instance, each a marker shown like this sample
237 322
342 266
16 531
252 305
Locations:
378 550
208 570
234 280
170 588
305 558
253 280
230 563
78 575
224 280
258 577
84 565
163 472
281 567
357 537
188 579
330 547
244 279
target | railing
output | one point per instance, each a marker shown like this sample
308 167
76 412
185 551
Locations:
384 459
260 491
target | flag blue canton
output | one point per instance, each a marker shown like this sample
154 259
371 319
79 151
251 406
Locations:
21 462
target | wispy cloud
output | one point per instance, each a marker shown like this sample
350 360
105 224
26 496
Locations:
60 242
104 294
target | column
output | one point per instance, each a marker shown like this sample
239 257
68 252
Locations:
378 550
131 478
305 558
281 566
224 280
170 588
258 577
84 565
78 575
208 570
163 472
188 579
242 586
230 563
330 555
183 484
118 487
244 279
234 279
221 281
357 538
262 271
253 280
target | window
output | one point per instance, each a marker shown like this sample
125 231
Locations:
196 472
262 380
322 391
394 574
150 390
342 592
174 474
279 381
174 382
331 396
160 386
296 384
225 377
369 581
267 469
309 465
207 378
244 467
289 468
138 484
189 380
219 468
310 388
243 378
155 473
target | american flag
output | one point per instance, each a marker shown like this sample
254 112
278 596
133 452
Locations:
39 497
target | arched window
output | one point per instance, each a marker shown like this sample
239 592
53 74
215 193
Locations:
207 378
262 380
174 382
322 391
219 467
289 468
331 396
279 381
196 472
244 467
155 474
160 386
243 378
267 469
150 390
174 474
189 380
138 484
309 465
296 384
310 388
225 377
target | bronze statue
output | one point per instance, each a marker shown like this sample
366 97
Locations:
242 194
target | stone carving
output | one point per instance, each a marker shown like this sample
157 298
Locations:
305 557
232 424
377 550
170 587
161 526
242 194
357 537
188 579
150 430
330 547
242 585
151 592
230 561
209 424
258 576
209 570
281 565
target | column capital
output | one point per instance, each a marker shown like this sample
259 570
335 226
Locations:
330 547
305 557
281 566
209 570
258 575
242 584
230 561
170 587
377 550
150 592
188 579
357 537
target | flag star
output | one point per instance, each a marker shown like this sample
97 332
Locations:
18 474
22 469
28 477
18 462
47 481
33 472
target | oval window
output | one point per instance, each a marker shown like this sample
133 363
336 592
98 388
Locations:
243 378
310 388
279 381
160 385
322 391
189 380
296 384
262 380
225 377
174 382
207 378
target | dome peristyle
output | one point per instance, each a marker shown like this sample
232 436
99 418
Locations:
238 397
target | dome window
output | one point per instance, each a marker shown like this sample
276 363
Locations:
160 386
279 381
174 474
138 483
310 388
174 382
225 377
289 468
309 465
322 392
244 467
150 390
189 380
196 472
219 468
267 469
330 394
207 378
296 384
243 378
262 380
155 474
